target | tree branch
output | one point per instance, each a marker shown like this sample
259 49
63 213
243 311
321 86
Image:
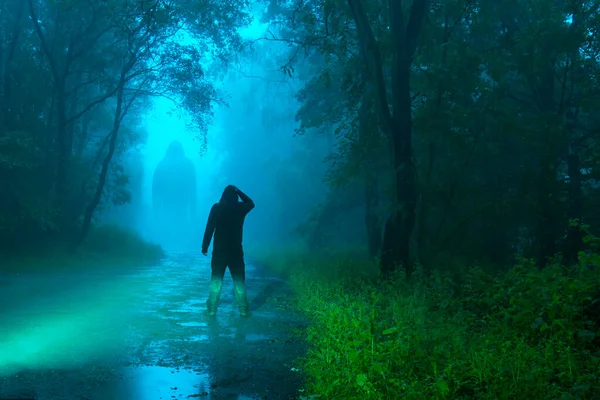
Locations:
414 26
93 104
45 48
372 58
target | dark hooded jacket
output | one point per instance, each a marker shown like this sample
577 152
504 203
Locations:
226 222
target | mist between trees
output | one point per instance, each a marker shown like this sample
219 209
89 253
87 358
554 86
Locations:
469 132
431 135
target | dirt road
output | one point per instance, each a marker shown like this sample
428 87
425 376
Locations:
142 335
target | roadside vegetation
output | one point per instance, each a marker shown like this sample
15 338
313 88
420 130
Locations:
460 333
106 247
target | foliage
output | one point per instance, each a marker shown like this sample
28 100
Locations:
105 247
124 243
504 101
74 85
525 333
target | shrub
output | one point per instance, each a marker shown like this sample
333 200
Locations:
106 246
523 334
120 242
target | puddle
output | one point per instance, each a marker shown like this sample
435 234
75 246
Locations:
148 383
155 383
193 324
194 303
195 310
256 337
201 338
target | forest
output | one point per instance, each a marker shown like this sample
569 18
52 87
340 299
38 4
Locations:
440 199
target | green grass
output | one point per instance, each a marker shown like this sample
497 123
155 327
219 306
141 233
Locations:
106 246
520 335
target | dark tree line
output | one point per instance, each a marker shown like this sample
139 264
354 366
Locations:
75 77
464 129
472 125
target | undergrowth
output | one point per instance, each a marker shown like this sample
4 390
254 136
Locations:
106 246
529 333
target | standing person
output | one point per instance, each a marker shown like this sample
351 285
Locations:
226 222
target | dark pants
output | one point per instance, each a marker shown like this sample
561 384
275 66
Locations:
237 268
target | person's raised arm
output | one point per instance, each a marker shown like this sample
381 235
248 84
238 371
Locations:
246 201
210 229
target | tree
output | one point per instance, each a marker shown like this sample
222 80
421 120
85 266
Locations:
397 123
91 64
502 128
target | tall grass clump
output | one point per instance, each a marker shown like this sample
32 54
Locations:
528 333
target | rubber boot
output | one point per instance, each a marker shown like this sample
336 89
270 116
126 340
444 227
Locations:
242 300
212 303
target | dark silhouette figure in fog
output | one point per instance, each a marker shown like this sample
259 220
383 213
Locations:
174 196
226 222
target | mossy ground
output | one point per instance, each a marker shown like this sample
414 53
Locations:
528 333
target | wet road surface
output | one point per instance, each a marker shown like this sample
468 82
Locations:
143 335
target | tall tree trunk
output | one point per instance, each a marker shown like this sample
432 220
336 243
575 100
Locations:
422 242
3 62
398 123
9 50
372 222
423 245
112 145
368 140
73 128
548 224
121 110
62 142
402 221
574 242
62 153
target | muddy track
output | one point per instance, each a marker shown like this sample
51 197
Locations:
143 335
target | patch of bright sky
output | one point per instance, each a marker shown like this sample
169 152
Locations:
569 19
164 123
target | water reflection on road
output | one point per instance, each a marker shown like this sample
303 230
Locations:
160 383
143 335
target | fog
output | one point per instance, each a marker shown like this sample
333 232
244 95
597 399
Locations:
251 143
419 178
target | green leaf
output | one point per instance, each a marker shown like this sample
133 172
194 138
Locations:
361 379
443 387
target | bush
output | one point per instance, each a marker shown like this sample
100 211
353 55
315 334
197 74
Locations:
106 246
525 334
120 242
329 265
